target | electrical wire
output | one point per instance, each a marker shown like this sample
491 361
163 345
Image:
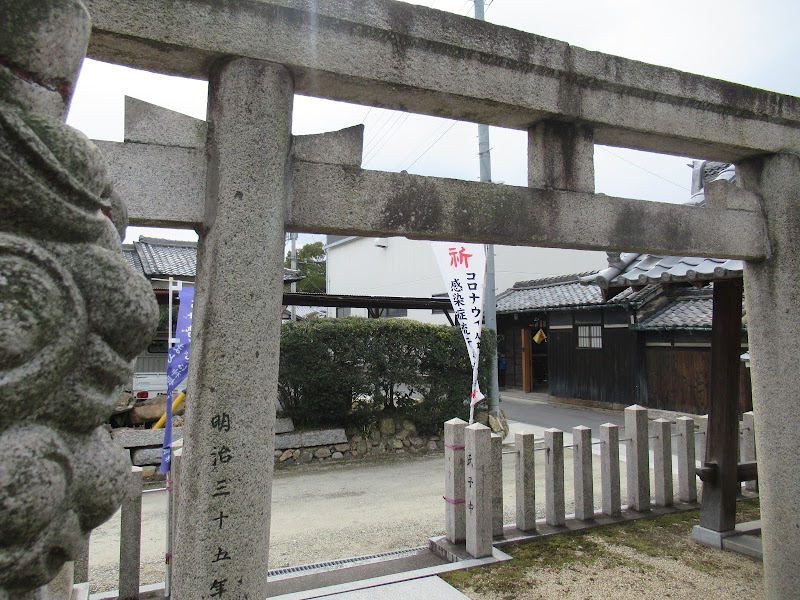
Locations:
371 141
432 145
378 146
367 114
684 188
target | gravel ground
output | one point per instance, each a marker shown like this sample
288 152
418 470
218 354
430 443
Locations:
332 511
324 512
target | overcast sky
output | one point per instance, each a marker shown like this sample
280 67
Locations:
753 42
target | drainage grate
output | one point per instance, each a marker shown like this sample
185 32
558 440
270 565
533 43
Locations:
343 562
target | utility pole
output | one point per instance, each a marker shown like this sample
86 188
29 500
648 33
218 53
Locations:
293 287
490 303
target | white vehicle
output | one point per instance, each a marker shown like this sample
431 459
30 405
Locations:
148 385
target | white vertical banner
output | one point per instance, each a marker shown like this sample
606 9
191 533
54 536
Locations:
463 268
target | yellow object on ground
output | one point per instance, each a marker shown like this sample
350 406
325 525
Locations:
163 420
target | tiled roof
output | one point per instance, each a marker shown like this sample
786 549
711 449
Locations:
548 295
681 313
160 259
566 291
130 254
643 269
167 258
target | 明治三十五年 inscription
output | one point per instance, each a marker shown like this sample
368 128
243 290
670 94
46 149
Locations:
221 457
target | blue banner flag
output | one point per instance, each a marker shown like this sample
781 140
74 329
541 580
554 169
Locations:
177 366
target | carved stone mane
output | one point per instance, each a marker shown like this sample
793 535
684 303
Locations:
73 314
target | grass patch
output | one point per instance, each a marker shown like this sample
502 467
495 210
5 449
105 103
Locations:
667 537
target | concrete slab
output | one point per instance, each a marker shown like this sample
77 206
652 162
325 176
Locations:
427 588
372 585
749 545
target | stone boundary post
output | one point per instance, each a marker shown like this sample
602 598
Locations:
701 436
662 458
81 568
175 466
554 476
497 484
637 457
687 475
454 494
130 535
749 445
609 469
524 442
583 476
478 442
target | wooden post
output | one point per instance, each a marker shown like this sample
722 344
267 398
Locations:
722 451
527 360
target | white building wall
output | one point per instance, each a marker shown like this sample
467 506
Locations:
401 267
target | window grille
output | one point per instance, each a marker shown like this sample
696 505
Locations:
590 336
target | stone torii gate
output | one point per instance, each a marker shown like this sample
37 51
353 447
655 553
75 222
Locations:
260 181
257 53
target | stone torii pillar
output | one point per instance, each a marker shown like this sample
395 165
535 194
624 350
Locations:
772 293
222 538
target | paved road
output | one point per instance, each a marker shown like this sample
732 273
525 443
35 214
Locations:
535 411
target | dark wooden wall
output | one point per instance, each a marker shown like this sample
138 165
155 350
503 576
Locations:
624 371
610 374
679 379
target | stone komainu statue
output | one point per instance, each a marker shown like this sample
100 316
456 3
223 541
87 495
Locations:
73 315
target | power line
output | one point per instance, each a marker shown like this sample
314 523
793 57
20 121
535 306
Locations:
389 116
392 130
684 188
423 142
432 145
367 114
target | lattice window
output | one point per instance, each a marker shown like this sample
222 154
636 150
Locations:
590 336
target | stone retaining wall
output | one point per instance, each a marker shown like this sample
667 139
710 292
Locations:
388 436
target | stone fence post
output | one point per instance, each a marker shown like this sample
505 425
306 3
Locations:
130 535
497 484
637 458
748 446
609 469
583 477
554 476
525 480
454 494
662 454
478 444
687 474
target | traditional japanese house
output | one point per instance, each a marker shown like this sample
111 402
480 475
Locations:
636 332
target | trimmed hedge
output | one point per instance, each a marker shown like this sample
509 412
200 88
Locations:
343 372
